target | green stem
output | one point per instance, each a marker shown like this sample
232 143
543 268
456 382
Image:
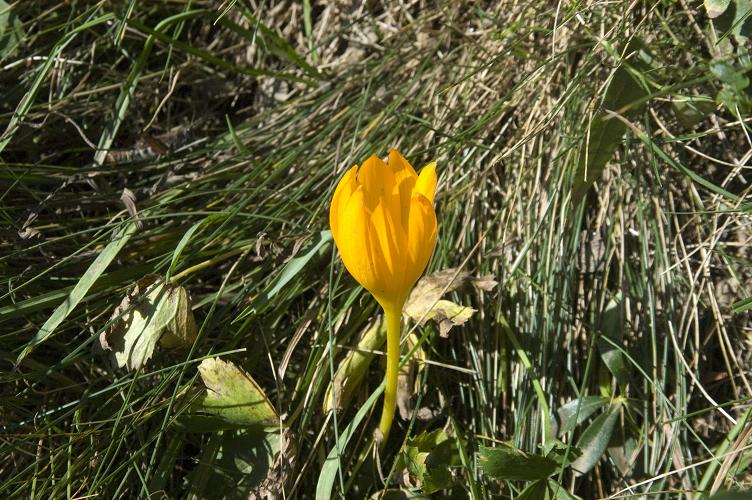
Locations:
207 263
393 318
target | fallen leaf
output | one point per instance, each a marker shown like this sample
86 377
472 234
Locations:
448 314
149 311
182 330
128 198
425 301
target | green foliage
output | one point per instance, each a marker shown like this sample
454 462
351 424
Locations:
233 400
595 438
11 30
428 459
735 92
624 99
508 463
731 17
78 292
578 410
610 342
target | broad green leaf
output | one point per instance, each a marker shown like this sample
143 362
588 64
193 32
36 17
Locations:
561 453
508 463
578 410
353 368
234 397
715 8
535 491
559 492
595 438
242 464
606 132
11 29
89 277
621 450
735 19
610 351
733 77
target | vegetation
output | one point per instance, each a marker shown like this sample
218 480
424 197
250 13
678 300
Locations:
175 321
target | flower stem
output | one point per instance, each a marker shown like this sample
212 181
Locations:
393 318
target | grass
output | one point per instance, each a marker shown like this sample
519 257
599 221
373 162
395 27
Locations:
593 161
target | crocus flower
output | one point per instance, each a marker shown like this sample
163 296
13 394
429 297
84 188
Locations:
384 225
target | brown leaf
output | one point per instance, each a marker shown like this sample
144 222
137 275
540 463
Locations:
407 379
425 301
129 201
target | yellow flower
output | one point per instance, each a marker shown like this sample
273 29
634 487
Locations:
384 226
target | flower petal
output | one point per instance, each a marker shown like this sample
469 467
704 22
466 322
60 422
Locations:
426 184
404 182
377 180
421 237
389 233
354 239
399 165
347 184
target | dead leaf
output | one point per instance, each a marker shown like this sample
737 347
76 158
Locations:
425 301
128 198
29 233
182 331
149 311
408 377
448 314
279 474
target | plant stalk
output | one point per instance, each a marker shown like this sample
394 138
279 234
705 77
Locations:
393 319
